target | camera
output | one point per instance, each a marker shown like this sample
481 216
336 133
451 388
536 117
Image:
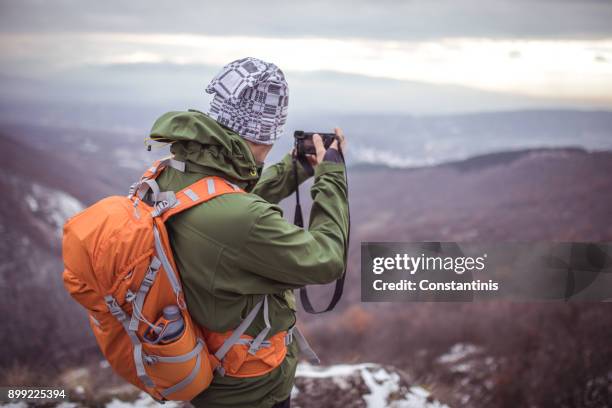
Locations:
304 144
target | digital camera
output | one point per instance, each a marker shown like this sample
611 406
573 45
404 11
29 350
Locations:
304 144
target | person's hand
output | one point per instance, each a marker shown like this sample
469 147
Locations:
340 136
315 159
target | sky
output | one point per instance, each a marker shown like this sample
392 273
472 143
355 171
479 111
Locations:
430 55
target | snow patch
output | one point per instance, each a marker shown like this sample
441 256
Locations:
341 383
32 203
54 205
338 370
371 155
89 147
462 368
384 386
66 404
458 352
381 384
417 397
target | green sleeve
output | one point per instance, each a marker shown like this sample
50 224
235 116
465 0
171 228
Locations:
292 256
277 181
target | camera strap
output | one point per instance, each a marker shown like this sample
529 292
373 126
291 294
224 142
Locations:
298 220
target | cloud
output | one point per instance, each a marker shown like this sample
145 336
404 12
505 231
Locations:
553 50
386 19
562 69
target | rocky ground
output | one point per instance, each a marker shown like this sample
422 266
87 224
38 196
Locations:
335 386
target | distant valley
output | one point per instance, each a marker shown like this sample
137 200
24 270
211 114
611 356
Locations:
525 193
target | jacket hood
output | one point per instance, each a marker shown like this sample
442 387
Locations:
207 146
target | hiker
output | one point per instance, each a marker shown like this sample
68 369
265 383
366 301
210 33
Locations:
231 250
188 280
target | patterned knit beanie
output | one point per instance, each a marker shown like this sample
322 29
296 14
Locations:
251 97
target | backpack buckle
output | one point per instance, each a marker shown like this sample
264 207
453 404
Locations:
148 280
133 189
130 296
164 205
114 308
160 208
220 370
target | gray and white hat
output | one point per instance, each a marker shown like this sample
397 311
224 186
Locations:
251 97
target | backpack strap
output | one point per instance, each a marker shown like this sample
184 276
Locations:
147 180
240 330
154 171
294 333
168 203
201 191
121 316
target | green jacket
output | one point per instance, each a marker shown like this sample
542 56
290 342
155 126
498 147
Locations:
235 248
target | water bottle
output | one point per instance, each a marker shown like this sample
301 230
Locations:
167 328
174 324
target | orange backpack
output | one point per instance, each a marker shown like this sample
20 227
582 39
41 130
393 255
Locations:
119 266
